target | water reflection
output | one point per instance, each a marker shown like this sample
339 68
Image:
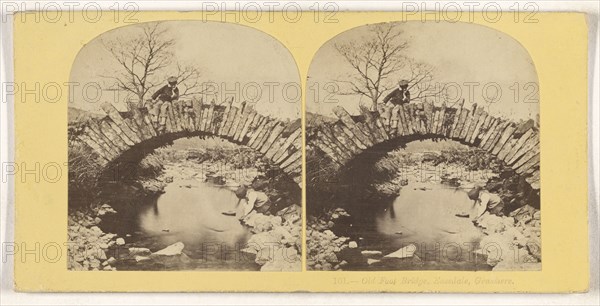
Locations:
190 212
424 214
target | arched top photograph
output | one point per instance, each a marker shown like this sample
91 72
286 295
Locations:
430 132
184 136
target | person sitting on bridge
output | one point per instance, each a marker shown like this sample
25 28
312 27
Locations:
250 199
169 92
400 95
162 98
392 103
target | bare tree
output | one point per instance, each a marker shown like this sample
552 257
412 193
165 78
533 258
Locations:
421 82
143 62
188 77
378 64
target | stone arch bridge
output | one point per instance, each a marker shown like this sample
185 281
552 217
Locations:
117 133
517 144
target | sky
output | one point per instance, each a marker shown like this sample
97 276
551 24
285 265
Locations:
460 53
229 55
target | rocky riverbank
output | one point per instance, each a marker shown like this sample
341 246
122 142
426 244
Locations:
324 248
89 247
275 243
519 237
517 234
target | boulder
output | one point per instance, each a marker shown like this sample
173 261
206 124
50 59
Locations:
172 250
141 258
280 259
139 251
371 253
261 240
405 252
371 261
111 261
353 245
120 241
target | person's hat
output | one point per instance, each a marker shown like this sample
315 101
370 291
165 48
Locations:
403 83
473 194
172 79
241 191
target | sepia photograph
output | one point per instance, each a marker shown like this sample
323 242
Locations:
184 150
422 150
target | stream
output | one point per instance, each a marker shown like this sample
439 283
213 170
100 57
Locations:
423 215
189 211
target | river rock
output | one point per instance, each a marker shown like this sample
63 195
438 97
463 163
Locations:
371 261
283 259
405 252
139 258
368 253
174 249
120 241
353 245
534 247
105 209
259 241
139 251
291 214
260 222
491 223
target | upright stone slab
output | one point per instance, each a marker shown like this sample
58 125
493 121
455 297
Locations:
351 135
264 134
472 136
291 158
495 136
526 157
478 135
530 163
120 132
428 108
114 137
343 115
326 149
233 111
252 127
260 129
102 139
104 159
346 151
515 144
403 121
288 144
347 141
506 135
529 145
112 112
440 126
239 135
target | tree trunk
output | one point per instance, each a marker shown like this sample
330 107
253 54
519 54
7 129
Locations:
374 105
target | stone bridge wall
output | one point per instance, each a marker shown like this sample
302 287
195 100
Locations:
517 144
277 140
